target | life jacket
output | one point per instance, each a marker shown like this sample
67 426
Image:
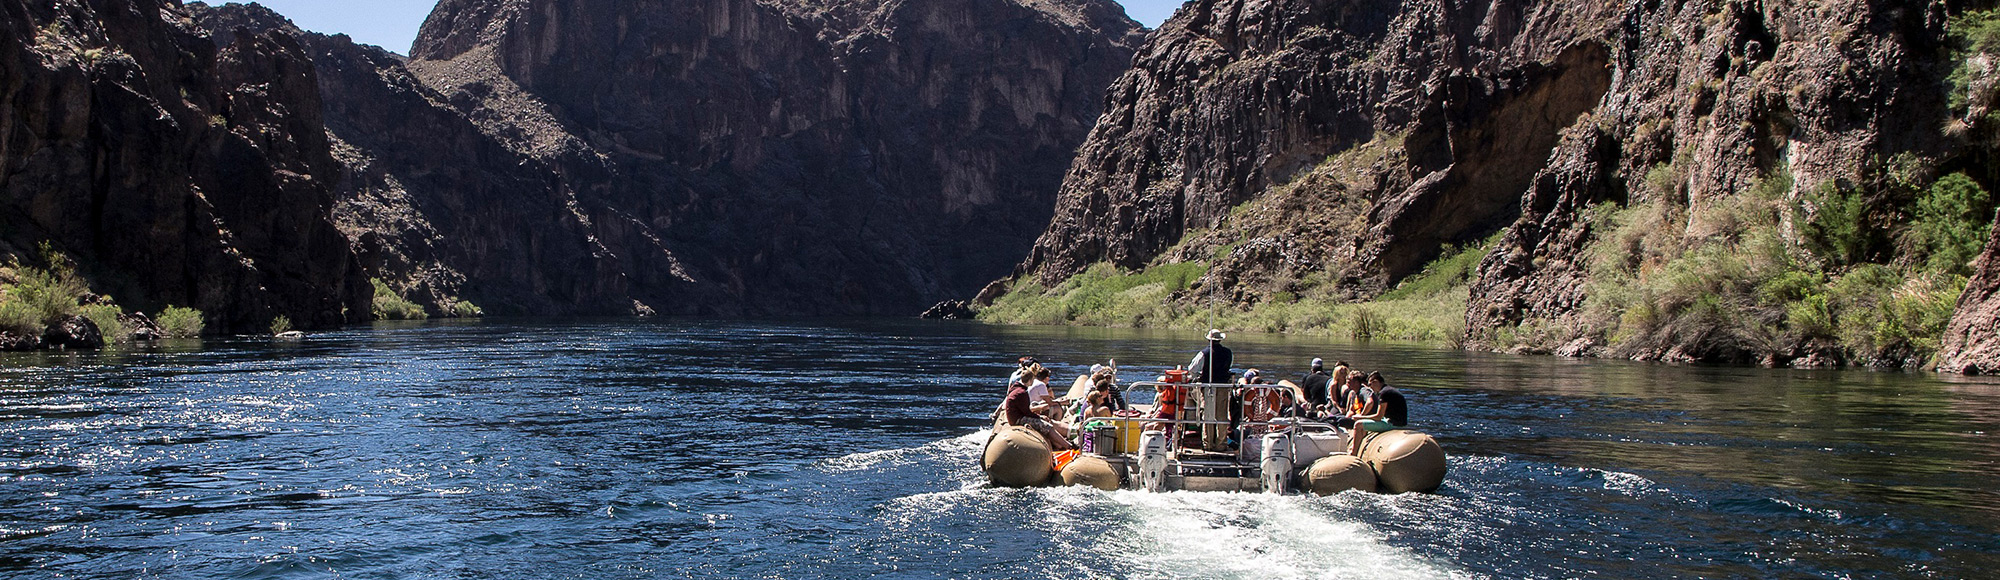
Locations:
1169 404
1062 458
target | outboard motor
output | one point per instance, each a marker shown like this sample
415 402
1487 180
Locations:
1153 460
1277 465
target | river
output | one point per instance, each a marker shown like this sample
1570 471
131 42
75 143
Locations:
845 449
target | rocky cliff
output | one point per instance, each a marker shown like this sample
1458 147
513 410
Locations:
431 204
175 171
736 156
1329 149
716 157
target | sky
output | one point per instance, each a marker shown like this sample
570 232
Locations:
392 24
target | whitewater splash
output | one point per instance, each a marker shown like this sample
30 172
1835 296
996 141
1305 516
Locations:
1134 534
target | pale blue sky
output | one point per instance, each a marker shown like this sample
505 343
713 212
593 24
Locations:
392 24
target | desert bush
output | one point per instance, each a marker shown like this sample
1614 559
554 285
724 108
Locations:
20 318
40 296
465 309
1950 225
1101 295
388 305
180 322
1839 225
106 317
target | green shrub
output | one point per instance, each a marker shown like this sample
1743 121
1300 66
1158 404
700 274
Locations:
281 324
18 317
1951 224
388 305
43 296
465 309
1839 228
179 322
1101 295
1971 33
105 316
1366 325
1452 269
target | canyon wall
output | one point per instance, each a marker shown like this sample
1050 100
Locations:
743 157
1331 149
174 171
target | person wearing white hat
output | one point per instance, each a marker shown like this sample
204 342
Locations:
1211 365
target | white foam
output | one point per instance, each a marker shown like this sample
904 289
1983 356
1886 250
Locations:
1242 535
961 446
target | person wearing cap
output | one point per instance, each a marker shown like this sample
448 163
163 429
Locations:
1211 365
1255 402
1314 383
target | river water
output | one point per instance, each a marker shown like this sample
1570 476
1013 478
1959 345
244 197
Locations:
731 449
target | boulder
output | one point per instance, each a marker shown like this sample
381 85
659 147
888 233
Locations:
72 332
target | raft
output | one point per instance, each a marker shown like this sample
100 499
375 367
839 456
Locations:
1275 456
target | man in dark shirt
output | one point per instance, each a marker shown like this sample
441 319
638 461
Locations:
1315 383
1394 409
1211 365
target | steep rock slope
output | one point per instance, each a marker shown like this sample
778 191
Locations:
174 171
828 157
1230 101
1329 149
432 205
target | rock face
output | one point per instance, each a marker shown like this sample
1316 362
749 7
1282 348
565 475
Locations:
1349 142
1451 109
1733 92
736 156
174 171
431 204
1972 341
598 157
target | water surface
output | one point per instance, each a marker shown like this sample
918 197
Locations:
690 448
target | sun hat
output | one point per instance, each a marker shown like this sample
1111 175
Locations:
1216 334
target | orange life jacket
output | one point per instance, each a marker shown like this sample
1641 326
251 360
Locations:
1169 404
1062 458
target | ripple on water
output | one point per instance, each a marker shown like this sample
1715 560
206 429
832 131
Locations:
677 448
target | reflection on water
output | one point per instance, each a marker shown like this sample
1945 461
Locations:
684 448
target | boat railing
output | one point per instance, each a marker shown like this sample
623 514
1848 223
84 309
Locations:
1241 427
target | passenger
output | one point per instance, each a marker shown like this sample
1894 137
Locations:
1167 406
1336 401
1315 382
1211 365
1256 401
1024 373
1101 372
1099 403
1040 399
1354 400
1394 408
1290 407
1382 414
1019 412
